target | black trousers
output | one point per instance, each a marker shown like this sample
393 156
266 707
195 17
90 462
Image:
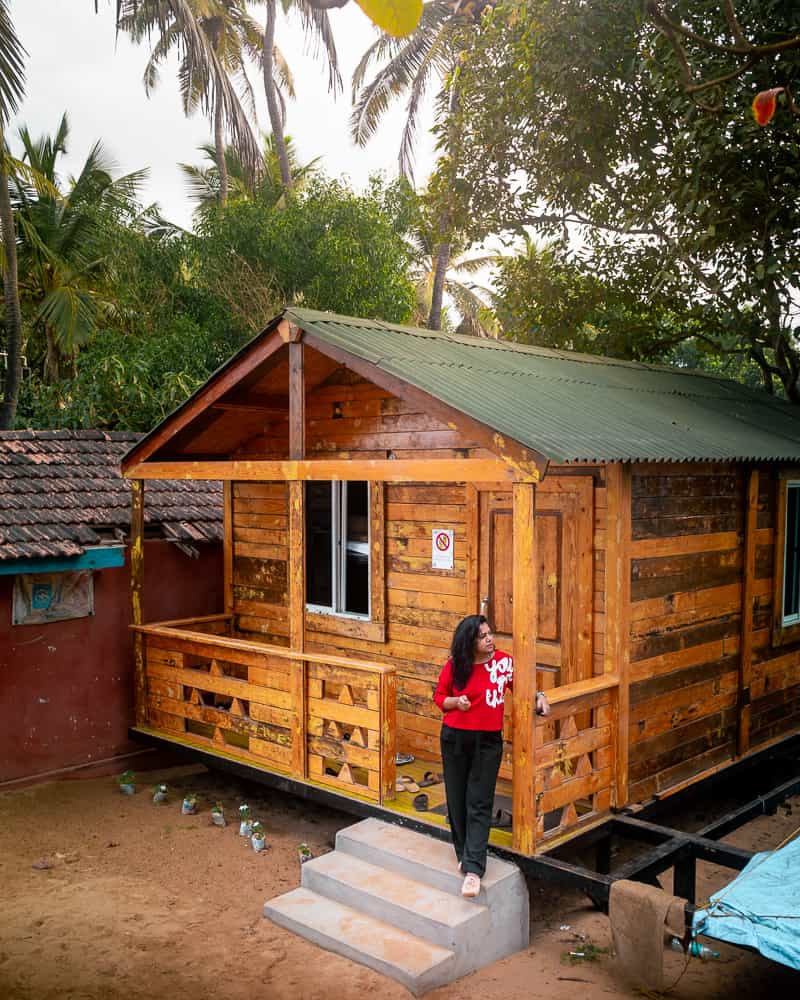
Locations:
471 760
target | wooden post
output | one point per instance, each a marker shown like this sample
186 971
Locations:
137 595
227 545
525 613
297 555
388 715
618 610
473 547
748 583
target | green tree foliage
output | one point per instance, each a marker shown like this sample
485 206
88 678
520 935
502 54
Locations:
572 124
65 254
327 248
184 303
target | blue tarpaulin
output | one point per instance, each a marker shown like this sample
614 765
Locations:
761 907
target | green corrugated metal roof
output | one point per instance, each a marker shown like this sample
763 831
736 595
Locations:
574 407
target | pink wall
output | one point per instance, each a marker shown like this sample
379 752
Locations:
66 688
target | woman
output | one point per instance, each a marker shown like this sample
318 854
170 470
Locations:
471 693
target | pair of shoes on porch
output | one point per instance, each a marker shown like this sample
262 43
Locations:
472 885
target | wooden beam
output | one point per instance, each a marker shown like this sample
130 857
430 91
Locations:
524 623
290 333
297 402
377 542
748 580
507 448
237 368
137 596
449 470
616 660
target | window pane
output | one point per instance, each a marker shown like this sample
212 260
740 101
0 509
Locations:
357 549
319 544
791 582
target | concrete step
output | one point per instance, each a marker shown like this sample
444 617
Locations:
412 905
418 964
420 857
391 898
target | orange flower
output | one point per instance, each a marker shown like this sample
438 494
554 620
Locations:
764 105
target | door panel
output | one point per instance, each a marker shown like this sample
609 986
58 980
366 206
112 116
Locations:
564 560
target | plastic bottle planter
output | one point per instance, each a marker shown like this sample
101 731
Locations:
304 853
258 837
189 805
245 823
695 949
127 782
160 794
217 815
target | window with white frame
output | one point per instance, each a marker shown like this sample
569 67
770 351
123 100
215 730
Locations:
791 555
337 548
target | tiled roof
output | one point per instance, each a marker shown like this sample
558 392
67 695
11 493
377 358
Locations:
61 491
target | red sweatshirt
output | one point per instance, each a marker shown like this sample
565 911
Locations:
485 690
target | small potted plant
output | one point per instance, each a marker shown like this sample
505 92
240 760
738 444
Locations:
189 804
127 782
217 814
245 823
304 853
258 836
160 794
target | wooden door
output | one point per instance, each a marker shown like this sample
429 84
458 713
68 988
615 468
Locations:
564 527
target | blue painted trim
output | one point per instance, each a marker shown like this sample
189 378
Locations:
101 557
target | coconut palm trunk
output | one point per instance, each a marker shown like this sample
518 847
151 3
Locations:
219 149
275 116
8 410
437 293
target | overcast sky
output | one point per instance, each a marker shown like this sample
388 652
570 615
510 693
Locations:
76 64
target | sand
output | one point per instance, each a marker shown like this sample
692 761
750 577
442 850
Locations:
107 896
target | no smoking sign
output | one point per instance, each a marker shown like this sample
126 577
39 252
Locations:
442 548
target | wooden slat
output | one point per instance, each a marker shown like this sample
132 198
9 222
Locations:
525 614
618 608
351 715
651 548
388 736
571 790
137 599
232 687
472 568
377 539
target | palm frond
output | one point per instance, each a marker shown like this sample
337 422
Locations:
12 66
317 27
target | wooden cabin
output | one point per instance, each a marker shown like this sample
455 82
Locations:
632 532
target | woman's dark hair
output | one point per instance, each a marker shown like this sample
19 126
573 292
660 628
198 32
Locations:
462 649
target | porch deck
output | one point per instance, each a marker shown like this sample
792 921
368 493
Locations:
331 722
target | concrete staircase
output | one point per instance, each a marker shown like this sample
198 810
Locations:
391 899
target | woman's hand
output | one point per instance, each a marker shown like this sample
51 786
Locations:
463 704
542 704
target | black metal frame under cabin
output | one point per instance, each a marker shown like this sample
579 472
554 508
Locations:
649 842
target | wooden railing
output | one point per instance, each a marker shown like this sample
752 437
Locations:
327 719
575 758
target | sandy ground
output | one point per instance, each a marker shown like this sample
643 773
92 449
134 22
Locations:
141 901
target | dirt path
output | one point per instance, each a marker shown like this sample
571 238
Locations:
142 901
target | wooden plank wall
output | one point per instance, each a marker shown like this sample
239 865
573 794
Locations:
260 578
349 417
775 670
686 613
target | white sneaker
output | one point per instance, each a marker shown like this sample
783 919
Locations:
472 886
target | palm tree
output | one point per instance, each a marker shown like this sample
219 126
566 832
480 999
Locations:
410 65
204 182
65 253
469 298
212 38
317 26
12 86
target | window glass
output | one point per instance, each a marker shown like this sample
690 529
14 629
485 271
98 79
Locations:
337 547
791 566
